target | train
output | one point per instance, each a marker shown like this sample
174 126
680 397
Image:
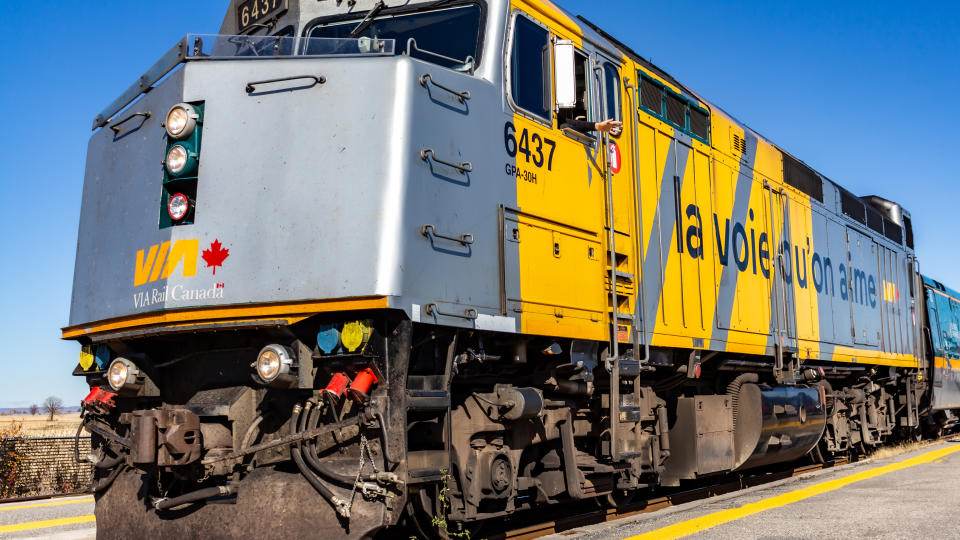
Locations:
352 267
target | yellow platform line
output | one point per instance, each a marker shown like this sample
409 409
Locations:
708 521
32 525
38 505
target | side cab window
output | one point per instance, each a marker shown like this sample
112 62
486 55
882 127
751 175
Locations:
530 86
611 92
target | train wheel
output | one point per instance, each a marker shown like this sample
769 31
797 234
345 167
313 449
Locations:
619 498
818 453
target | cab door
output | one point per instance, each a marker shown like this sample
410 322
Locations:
554 236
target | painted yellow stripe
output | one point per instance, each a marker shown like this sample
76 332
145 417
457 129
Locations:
225 314
708 521
47 523
39 505
946 363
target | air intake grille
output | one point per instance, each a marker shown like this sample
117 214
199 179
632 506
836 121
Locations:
802 177
874 220
699 122
852 206
892 231
650 97
676 111
739 144
909 228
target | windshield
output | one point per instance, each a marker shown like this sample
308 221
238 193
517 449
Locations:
448 37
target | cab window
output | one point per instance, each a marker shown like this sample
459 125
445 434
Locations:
448 37
611 82
529 61
582 87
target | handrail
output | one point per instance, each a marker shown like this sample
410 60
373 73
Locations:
467 62
427 78
428 153
116 127
639 224
433 309
317 79
429 230
172 59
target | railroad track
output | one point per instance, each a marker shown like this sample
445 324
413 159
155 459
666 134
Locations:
726 484
600 515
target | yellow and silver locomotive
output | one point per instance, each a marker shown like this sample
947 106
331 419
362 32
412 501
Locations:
348 265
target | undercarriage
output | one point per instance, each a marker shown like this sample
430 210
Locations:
441 428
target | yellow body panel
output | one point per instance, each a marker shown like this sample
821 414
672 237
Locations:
563 247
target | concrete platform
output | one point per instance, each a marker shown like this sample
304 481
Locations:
912 495
62 518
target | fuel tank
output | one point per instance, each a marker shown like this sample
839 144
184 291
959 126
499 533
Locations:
776 424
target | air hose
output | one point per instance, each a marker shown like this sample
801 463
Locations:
342 507
195 496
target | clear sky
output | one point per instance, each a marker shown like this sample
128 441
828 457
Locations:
865 92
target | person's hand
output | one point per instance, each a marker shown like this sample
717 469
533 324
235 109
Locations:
611 126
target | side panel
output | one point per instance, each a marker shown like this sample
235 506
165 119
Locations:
862 288
944 316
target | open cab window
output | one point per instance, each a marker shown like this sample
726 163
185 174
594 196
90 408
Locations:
579 108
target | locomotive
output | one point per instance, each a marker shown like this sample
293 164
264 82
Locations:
347 265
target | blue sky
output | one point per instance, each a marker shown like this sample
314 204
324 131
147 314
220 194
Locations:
865 92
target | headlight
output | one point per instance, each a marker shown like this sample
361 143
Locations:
123 375
272 362
177 158
181 121
178 206
117 375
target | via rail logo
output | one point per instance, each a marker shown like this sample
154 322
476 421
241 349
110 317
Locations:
160 261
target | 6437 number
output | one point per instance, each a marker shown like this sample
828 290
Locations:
533 147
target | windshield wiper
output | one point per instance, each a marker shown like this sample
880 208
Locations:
368 19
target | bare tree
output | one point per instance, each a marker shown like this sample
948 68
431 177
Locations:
52 406
34 410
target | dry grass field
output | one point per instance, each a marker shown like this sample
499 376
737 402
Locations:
63 425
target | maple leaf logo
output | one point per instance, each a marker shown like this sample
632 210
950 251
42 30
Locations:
215 255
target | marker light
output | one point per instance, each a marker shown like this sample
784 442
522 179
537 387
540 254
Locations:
181 121
178 206
272 362
354 335
177 158
86 357
102 356
123 375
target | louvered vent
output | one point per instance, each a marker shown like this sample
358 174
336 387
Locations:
699 122
676 111
892 231
874 220
739 144
650 96
852 206
802 177
908 226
